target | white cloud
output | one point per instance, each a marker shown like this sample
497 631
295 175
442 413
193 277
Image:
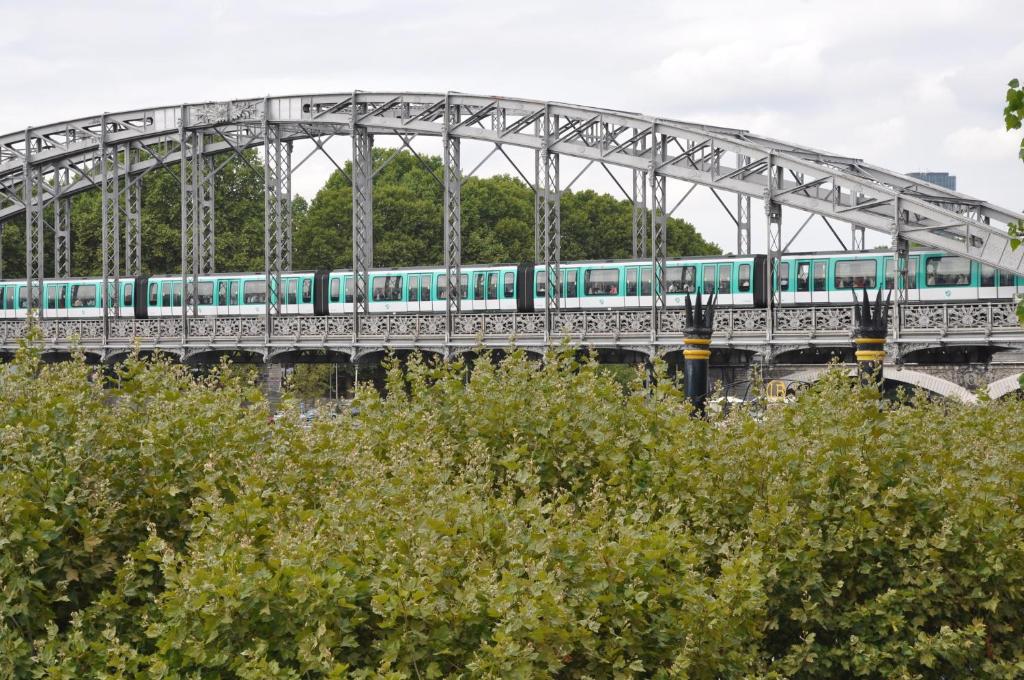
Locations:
981 144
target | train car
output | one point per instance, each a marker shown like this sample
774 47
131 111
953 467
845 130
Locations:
626 284
66 298
833 278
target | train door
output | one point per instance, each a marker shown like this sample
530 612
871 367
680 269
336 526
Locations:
479 291
725 284
508 291
802 293
819 282
412 281
491 292
1006 283
56 300
632 287
571 290
988 287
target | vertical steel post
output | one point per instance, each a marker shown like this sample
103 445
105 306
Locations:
773 212
274 215
288 230
362 217
61 226
639 214
111 226
3 226
191 153
132 225
206 231
548 186
901 263
538 202
742 214
452 216
659 220
34 199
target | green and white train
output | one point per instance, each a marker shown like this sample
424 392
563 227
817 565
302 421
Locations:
802 279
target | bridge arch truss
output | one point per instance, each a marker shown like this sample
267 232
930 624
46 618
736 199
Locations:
43 167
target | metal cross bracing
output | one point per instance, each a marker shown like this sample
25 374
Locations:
275 215
362 219
659 225
550 218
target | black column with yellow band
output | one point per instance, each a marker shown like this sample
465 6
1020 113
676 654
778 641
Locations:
871 325
700 322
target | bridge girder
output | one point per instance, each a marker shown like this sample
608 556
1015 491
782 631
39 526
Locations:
834 186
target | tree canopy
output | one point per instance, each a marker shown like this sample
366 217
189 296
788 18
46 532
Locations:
523 520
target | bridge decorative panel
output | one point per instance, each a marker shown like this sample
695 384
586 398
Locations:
975 324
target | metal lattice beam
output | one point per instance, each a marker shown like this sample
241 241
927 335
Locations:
109 162
206 212
133 226
61 226
659 224
551 224
452 218
639 200
274 217
362 218
742 215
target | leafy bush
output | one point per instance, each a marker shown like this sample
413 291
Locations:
525 520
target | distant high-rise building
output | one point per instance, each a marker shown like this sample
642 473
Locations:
943 179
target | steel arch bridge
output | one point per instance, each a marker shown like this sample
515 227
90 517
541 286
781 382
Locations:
42 167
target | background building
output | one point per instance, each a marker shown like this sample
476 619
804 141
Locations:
943 179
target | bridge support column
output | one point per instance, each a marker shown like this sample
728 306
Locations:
61 226
452 219
110 233
551 224
639 214
34 199
362 218
700 324
275 215
901 265
856 237
659 220
133 226
773 211
742 214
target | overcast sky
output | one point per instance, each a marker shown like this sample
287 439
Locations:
908 85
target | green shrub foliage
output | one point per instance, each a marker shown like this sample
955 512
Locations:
526 519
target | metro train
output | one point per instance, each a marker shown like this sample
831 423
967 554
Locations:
739 281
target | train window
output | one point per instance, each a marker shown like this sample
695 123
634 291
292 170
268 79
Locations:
856 274
233 293
307 291
176 294
204 293
820 275
22 298
743 280
254 293
947 271
222 293
3 297
424 287
510 285
387 288
492 286
631 281
803 277
442 286
783 275
601 281
335 290
708 285
890 273
349 289
1006 278
127 295
988 276
414 288
681 279
725 278
154 296
84 295
478 286
571 289
542 283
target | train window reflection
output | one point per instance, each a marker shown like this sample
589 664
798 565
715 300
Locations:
601 282
856 274
947 271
